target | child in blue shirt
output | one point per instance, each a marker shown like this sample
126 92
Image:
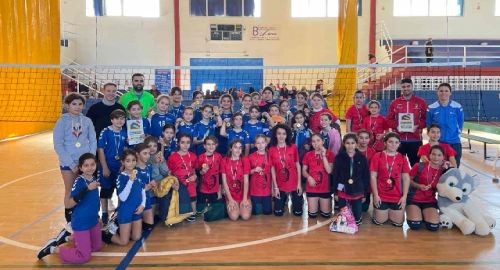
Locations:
134 109
85 218
144 174
132 201
112 142
204 128
236 132
162 116
255 127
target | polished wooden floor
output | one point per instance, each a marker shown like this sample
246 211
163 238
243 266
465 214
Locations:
31 199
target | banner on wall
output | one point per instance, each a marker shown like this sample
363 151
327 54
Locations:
264 33
163 80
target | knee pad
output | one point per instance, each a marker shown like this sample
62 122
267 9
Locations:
147 226
432 226
297 213
414 225
325 214
67 214
313 214
106 237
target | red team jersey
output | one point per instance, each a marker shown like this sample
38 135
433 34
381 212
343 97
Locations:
234 171
376 125
260 183
315 168
428 176
448 151
356 115
210 180
183 167
286 177
314 120
389 187
368 153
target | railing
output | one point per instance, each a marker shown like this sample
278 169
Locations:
452 53
384 40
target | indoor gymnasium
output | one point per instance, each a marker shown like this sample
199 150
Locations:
250 134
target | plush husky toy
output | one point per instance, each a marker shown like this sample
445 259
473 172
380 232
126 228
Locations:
454 188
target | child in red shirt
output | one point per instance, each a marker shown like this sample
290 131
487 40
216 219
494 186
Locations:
422 204
209 168
434 133
260 178
182 164
235 169
390 180
376 124
316 167
356 113
285 170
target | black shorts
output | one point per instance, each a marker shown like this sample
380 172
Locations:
326 195
207 197
388 205
424 205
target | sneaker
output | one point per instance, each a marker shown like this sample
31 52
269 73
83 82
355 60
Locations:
359 222
112 227
46 249
68 227
191 218
62 237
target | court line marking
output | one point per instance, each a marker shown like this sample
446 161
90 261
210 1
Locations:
165 253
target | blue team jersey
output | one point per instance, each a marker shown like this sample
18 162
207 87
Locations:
255 129
86 212
197 116
241 135
145 176
158 121
170 148
177 111
301 136
450 119
201 131
186 128
222 144
113 144
134 200
246 116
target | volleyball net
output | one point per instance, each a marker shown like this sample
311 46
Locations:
33 93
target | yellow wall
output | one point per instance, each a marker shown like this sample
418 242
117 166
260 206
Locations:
30 98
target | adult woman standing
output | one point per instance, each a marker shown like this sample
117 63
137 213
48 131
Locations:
449 115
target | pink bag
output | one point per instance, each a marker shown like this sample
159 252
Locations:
345 222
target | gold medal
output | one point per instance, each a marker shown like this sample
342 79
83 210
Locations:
297 125
228 124
117 157
78 144
350 181
389 181
182 123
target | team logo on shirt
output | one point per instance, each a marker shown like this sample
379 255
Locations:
318 178
235 186
211 182
284 175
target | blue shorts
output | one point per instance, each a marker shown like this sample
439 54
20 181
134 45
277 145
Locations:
110 181
65 168
127 216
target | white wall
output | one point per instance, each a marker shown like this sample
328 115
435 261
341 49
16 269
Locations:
478 22
121 40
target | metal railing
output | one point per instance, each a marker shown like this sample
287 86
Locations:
452 53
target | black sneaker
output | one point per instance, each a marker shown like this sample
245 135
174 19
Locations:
359 222
62 237
46 249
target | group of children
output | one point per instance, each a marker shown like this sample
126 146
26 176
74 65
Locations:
254 160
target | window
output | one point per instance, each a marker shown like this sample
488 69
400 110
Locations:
317 8
408 8
132 8
234 8
497 8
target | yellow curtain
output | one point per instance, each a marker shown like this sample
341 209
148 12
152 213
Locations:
30 98
347 45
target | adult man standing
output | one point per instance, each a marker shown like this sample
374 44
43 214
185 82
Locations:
146 99
406 116
99 112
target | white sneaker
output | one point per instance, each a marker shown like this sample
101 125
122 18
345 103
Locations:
112 227
68 227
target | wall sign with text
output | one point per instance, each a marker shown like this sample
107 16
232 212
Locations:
264 33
